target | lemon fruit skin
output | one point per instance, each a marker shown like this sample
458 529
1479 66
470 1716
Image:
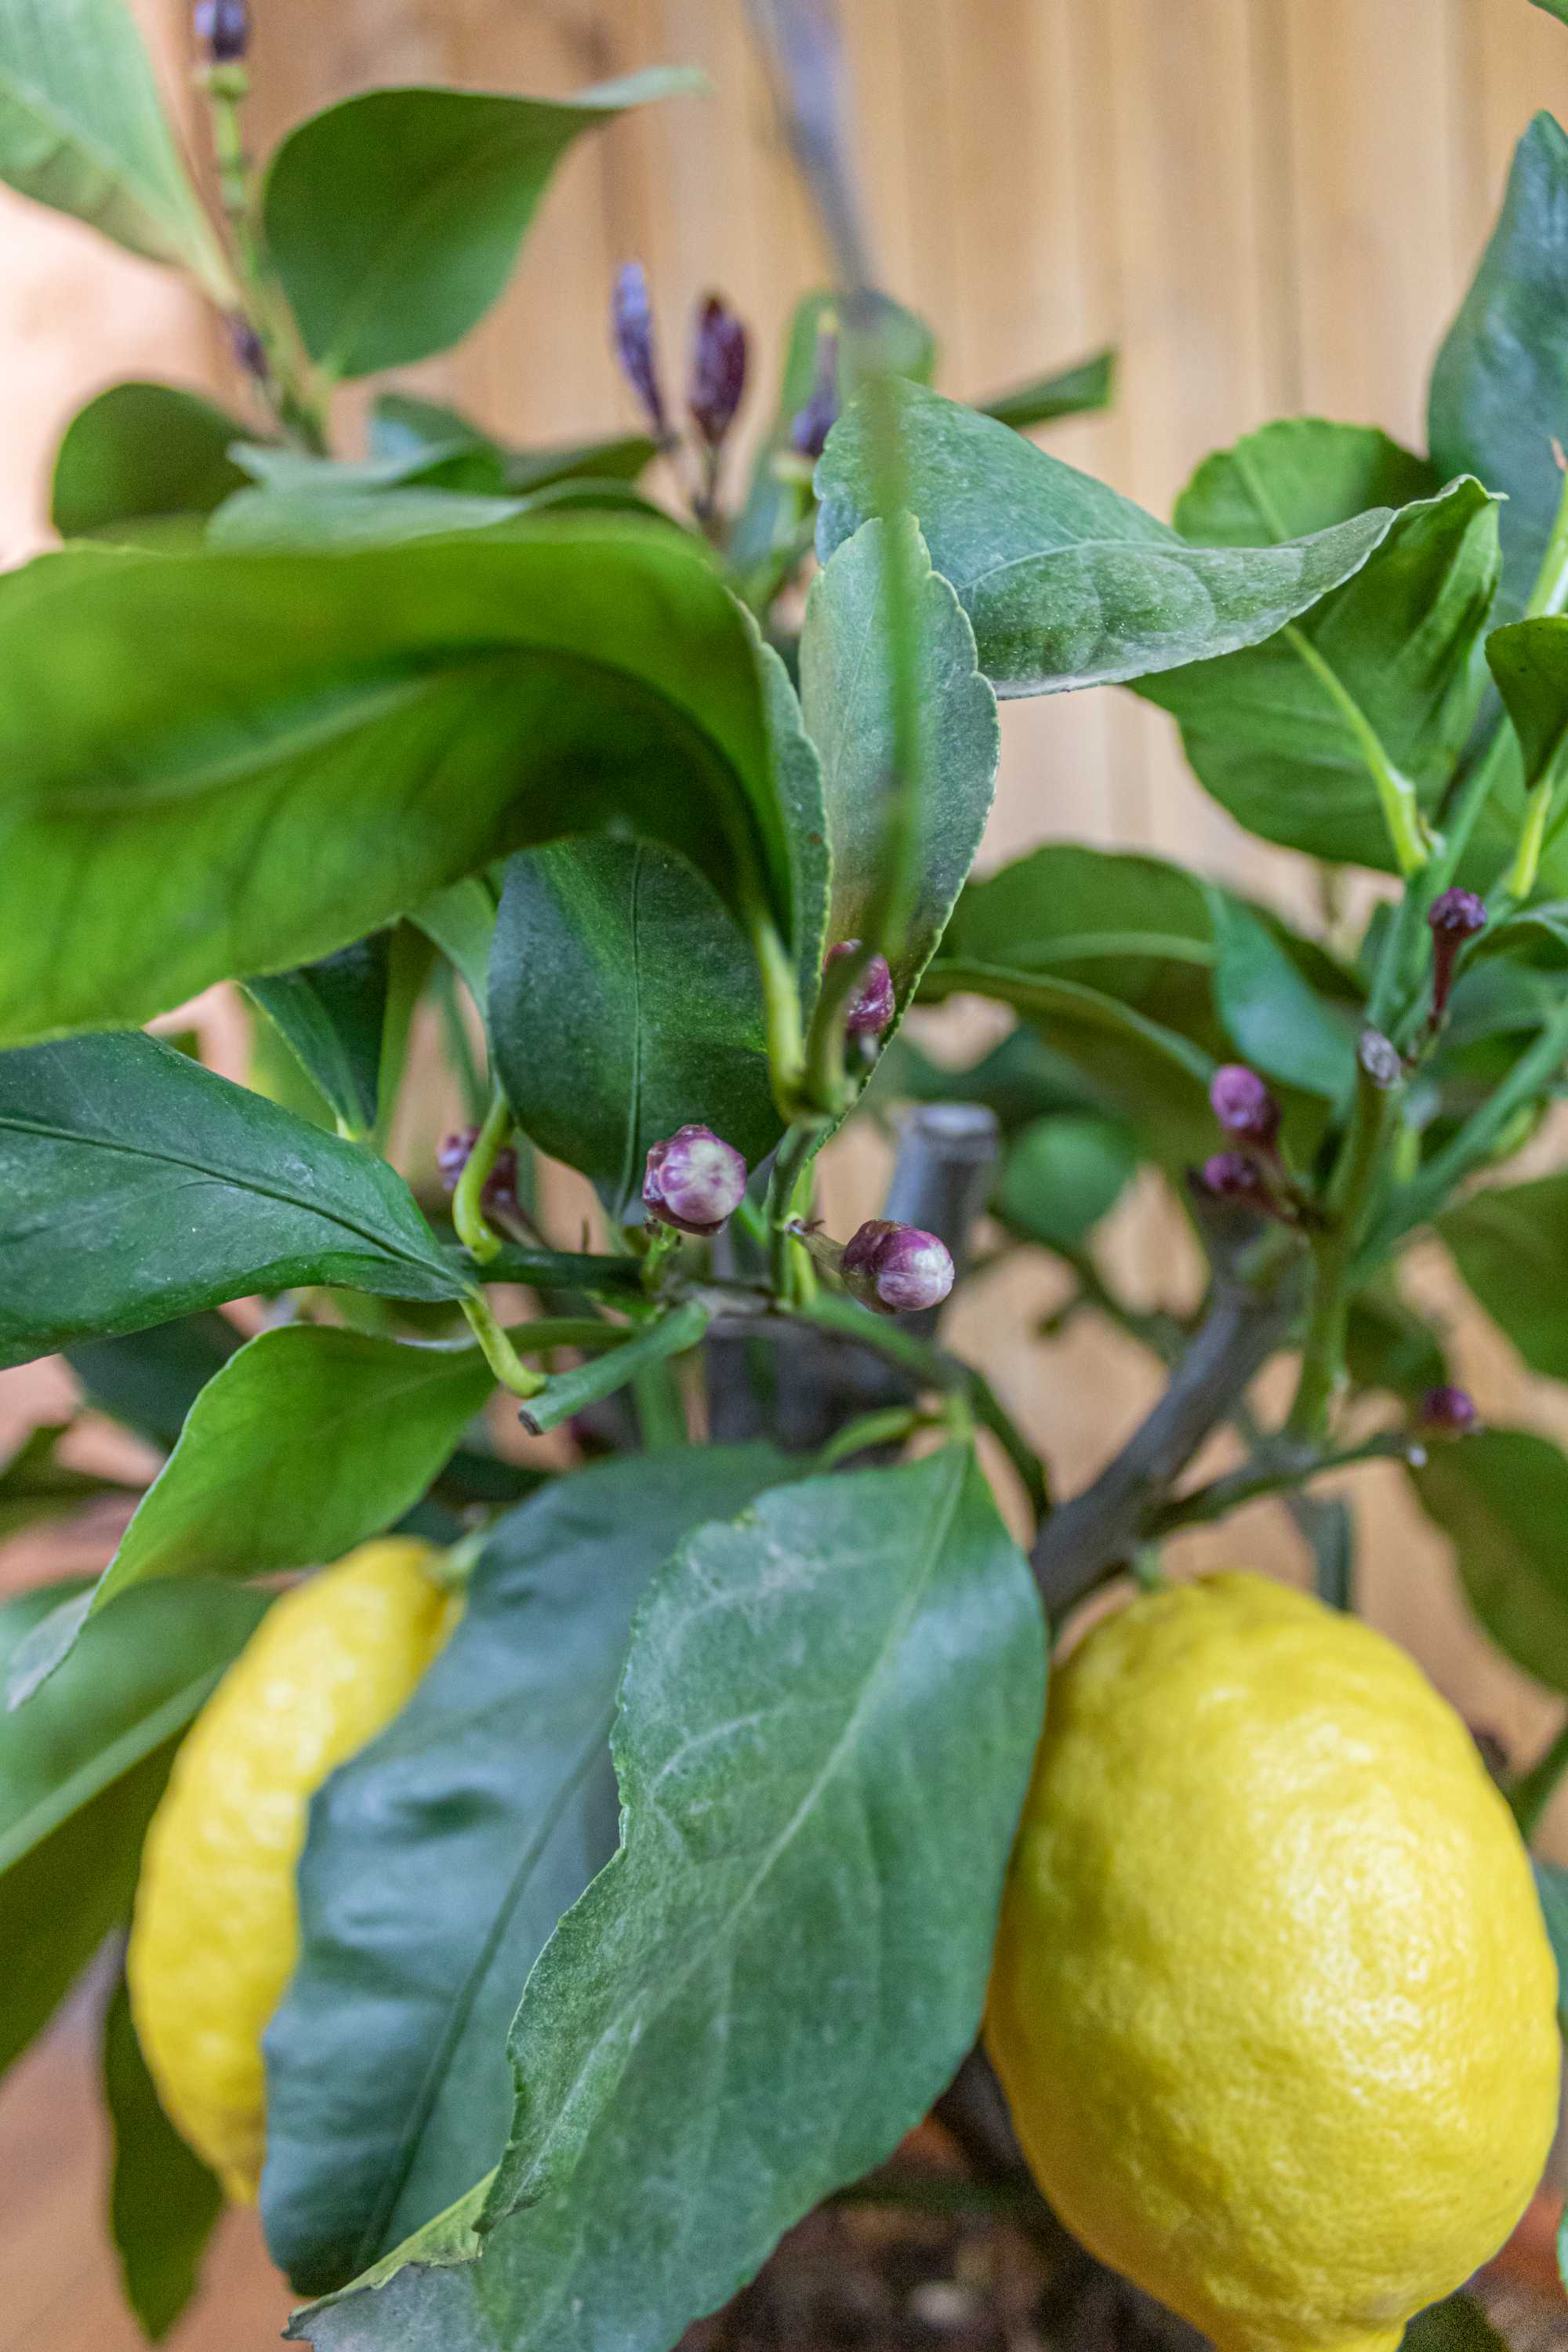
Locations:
216 1930
1273 2003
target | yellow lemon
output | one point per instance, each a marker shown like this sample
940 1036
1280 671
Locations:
1273 2003
215 1931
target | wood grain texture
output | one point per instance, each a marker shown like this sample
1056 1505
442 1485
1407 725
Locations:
1271 206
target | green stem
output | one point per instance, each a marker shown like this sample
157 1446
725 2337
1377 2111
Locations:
661 1414
1550 590
1533 1790
298 407
825 1083
889 1427
1333 1248
500 1354
1425 1195
794 1279
781 1012
1526 861
1256 1480
468 1209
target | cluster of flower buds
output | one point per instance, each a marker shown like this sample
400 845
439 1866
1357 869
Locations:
717 377
500 1192
870 1010
694 1181
898 1269
1250 1170
1454 917
810 425
223 28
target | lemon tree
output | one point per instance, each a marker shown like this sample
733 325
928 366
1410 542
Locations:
559 1755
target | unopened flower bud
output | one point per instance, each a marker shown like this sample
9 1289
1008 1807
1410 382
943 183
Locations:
223 27
453 1155
695 1181
1243 1106
872 1006
897 1268
1379 1059
811 426
717 370
1454 918
249 348
631 316
1232 1176
1446 1413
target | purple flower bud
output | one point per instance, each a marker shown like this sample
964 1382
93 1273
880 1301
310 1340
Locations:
872 1006
1232 1176
1454 918
500 1186
1243 1106
631 316
695 1181
897 1268
247 348
1446 1413
717 370
223 26
811 426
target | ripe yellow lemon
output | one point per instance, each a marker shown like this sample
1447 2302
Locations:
216 1930
1273 2003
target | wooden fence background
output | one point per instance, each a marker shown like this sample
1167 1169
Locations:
1269 205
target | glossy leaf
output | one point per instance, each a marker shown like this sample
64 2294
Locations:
774 509
1068 391
82 128
846 698
1500 388
80 1771
1067 584
824 1736
149 1380
308 1441
384 266
134 1186
1500 1498
224 765
139 457
164 2203
1061 1176
623 1001
1385 670
1529 663
1276 1020
333 1014
494 1783
1511 1246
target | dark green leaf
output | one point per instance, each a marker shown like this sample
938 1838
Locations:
773 510
134 1186
824 1737
1070 392
1385 670
1530 663
494 1783
1511 1246
462 921
1389 1346
333 1014
140 455
1456 2325
34 1485
219 765
1558 8
1067 584
1551 1886
382 267
149 1380
162 2201
1020 1079
1061 1176
1275 1019
847 696
1502 1498
308 1441
623 1001
82 128
1500 389
80 1771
